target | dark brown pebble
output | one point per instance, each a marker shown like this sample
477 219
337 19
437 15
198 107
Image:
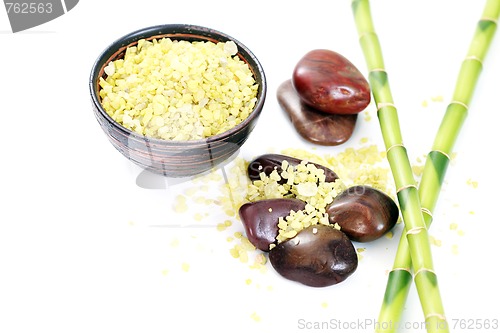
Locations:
363 213
317 256
268 162
327 81
260 219
317 127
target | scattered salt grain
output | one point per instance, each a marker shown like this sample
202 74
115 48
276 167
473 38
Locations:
180 205
255 317
185 267
438 98
434 241
472 183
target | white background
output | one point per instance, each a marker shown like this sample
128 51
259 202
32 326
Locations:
84 249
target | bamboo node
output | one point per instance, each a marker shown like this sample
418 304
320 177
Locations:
438 315
474 58
442 153
489 19
366 33
394 146
400 269
414 231
425 270
405 187
427 212
383 105
460 103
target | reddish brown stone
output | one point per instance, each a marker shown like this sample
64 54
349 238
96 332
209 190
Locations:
314 126
260 219
363 213
267 163
318 256
326 81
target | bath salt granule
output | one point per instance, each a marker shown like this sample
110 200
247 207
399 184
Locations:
179 90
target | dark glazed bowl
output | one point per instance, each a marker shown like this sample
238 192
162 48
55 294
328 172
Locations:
166 157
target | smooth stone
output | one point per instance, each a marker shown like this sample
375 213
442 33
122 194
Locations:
317 127
260 219
363 213
327 81
318 256
267 163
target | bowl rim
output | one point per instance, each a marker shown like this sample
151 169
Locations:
174 31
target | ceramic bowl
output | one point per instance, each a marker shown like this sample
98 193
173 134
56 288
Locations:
167 157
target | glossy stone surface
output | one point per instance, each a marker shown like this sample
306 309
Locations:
315 126
363 213
260 219
329 82
268 162
317 256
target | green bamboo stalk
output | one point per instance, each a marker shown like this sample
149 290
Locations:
407 193
437 161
